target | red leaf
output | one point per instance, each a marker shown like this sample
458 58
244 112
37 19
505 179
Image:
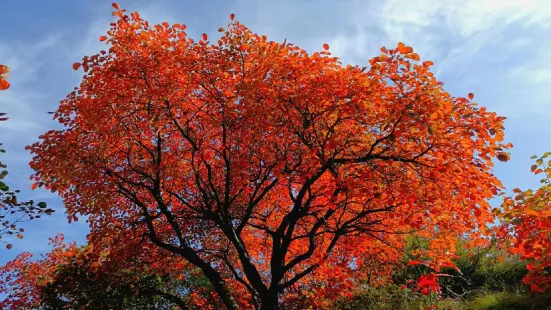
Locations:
4 84
326 46
471 96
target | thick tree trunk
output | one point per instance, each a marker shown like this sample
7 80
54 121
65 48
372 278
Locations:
270 301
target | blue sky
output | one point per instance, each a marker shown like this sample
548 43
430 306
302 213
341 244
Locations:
499 50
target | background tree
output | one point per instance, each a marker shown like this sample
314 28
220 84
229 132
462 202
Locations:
12 211
526 228
275 172
72 277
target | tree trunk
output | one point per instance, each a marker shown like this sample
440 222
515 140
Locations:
270 301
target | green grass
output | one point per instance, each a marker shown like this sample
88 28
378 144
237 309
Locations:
510 301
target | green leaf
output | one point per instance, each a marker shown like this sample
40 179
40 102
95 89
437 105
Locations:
533 157
42 204
546 154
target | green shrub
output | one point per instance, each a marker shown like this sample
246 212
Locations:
391 297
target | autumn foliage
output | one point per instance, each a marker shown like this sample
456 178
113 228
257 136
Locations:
277 173
527 226
72 277
4 84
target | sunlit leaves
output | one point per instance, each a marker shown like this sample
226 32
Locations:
403 49
527 222
4 70
413 56
164 134
4 84
428 63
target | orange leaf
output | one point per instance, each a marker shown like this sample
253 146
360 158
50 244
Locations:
115 5
232 16
165 24
403 49
414 262
35 185
76 66
19 236
384 50
205 37
471 96
4 84
428 63
502 156
102 38
326 46
413 56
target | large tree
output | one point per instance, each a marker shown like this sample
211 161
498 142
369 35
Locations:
276 172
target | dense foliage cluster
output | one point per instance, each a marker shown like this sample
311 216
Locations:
248 173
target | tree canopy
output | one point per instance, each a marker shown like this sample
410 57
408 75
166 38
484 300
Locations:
278 174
